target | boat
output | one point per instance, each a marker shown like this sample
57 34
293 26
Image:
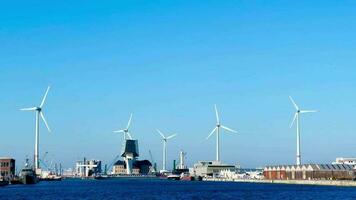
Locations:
173 177
49 176
186 177
28 175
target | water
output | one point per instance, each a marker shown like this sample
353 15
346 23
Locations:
165 189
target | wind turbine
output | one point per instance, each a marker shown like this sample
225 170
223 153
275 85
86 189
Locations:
126 131
164 138
297 117
217 131
39 112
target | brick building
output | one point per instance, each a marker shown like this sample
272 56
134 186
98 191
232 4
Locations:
310 172
7 168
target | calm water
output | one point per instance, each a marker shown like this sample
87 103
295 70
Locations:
164 189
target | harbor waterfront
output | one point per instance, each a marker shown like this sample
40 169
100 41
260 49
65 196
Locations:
175 99
71 189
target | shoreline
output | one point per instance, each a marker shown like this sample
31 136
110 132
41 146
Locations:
339 183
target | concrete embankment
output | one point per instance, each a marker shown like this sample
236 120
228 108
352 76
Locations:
295 182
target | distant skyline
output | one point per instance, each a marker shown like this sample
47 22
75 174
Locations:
168 63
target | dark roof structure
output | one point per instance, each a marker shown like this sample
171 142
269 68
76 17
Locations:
131 147
135 164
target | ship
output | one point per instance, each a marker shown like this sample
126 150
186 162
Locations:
49 176
28 175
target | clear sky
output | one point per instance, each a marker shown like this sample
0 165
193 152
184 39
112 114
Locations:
169 62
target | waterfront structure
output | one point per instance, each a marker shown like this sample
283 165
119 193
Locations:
39 113
297 118
139 167
130 153
165 139
7 168
310 172
209 168
242 174
217 131
86 168
182 155
346 161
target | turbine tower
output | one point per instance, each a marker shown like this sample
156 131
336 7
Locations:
217 131
126 131
164 138
39 112
297 117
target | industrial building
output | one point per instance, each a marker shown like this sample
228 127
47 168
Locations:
209 168
138 167
86 168
310 172
7 168
130 153
130 165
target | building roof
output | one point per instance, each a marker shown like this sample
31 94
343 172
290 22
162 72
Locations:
311 167
131 147
6 158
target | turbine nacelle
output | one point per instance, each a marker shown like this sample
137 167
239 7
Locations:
39 109
126 130
298 111
164 138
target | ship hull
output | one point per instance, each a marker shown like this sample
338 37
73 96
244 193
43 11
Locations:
28 179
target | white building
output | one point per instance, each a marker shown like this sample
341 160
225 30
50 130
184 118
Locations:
209 168
347 161
88 168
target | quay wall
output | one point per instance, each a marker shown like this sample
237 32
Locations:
295 182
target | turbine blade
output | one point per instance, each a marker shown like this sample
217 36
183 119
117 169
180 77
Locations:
119 131
44 120
44 97
228 129
217 114
295 117
211 133
128 134
161 134
28 109
308 111
172 136
129 123
293 102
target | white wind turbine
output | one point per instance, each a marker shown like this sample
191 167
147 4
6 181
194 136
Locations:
126 131
217 131
297 117
164 138
39 112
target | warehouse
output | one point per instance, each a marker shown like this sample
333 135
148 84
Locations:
310 172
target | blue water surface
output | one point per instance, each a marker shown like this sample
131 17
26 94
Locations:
165 189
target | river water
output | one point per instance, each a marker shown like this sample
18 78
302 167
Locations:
165 189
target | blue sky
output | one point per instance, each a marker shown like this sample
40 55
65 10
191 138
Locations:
169 62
